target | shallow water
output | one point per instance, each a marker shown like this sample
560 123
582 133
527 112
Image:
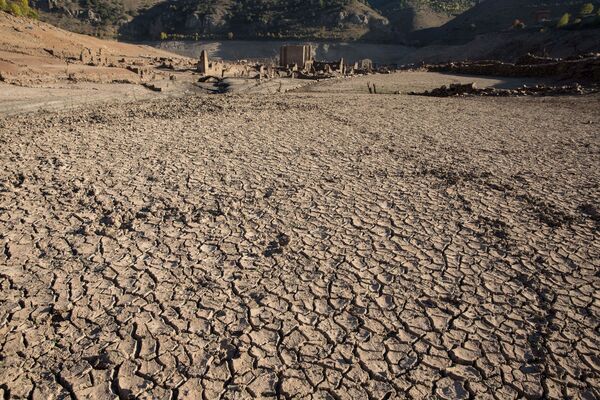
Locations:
230 50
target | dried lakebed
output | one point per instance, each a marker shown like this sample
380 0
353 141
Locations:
302 246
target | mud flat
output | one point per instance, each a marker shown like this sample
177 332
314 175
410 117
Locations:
302 245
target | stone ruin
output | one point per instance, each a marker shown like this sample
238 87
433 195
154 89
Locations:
298 55
295 61
470 89
365 65
95 58
221 69
584 67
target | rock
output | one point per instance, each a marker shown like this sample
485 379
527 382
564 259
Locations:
470 89
449 389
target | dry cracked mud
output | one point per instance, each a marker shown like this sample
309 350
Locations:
302 246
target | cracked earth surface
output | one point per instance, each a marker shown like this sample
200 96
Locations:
302 246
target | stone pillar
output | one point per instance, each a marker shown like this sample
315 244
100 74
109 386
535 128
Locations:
203 63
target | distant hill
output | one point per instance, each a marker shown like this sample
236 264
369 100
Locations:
298 19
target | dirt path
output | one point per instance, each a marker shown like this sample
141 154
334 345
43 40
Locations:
310 245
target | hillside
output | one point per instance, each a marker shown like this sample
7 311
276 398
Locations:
33 53
320 19
93 17
494 16
407 16
326 19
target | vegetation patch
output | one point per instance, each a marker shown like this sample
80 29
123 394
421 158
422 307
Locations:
20 8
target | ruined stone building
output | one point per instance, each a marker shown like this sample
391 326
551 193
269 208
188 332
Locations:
300 55
222 69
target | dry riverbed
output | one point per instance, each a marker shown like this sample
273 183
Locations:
326 245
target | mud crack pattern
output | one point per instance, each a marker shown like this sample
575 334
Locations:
302 246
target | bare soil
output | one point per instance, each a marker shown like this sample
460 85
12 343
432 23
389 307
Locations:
33 53
328 244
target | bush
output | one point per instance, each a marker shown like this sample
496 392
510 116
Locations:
564 20
587 9
19 8
163 36
24 6
14 9
518 24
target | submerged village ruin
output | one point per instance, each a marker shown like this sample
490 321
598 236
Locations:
295 61
298 62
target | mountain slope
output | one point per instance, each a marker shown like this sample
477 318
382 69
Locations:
97 17
406 16
324 19
327 19
498 16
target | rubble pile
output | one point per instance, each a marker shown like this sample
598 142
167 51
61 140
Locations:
470 89
584 67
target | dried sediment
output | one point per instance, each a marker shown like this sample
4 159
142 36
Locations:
290 246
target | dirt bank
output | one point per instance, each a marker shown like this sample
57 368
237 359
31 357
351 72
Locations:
35 53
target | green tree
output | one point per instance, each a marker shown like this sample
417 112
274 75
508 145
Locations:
3 5
587 9
163 36
564 20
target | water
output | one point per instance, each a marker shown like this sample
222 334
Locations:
231 50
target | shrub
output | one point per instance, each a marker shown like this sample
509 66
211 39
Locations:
518 24
163 36
24 6
19 8
564 20
586 9
14 9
